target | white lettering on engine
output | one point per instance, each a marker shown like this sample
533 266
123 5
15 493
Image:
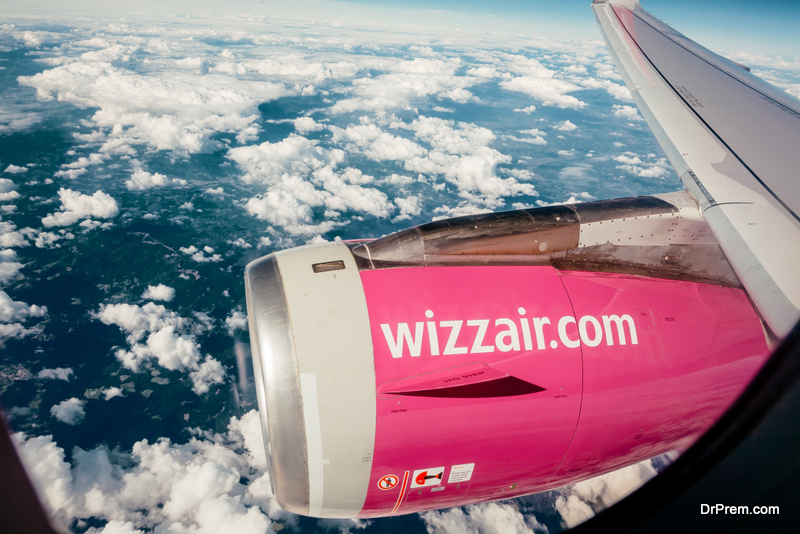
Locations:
591 332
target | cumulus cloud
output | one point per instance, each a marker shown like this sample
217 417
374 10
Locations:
406 82
565 126
180 112
376 144
460 153
12 310
581 501
58 373
159 292
409 207
8 189
536 137
168 339
212 483
239 242
649 167
76 206
627 112
620 92
268 162
300 176
485 518
50 239
236 321
10 236
69 411
541 83
110 393
13 169
305 125
142 180
199 255
9 266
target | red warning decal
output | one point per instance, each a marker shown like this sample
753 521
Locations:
427 477
388 482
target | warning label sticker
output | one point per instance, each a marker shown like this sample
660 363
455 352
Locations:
460 473
388 482
427 477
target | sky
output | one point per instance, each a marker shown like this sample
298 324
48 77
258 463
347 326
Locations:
765 27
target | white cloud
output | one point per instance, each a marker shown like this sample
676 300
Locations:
76 206
376 144
49 473
212 483
200 255
116 527
13 169
581 501
773 62
8 189
292 170
405 83
142 180
627 112
179 112
58 373
346 194
209 373
565 126
9 266
462 156
484 71
620 92
159 292
650 167
239 242
409 207
541 83
236 321
170 341
69 411
15 118
304 125
485 518
110 393
11 237
536 139
12 310
529 109
607 70
268 162
50 239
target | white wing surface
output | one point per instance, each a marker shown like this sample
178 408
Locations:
733 139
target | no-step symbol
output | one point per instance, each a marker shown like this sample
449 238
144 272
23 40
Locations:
388 482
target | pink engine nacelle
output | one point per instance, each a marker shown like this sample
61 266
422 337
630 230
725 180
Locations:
408 388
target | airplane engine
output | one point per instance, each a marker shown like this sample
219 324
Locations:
491 356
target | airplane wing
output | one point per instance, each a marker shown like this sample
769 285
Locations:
733 140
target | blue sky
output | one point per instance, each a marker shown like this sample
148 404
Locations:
763 27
